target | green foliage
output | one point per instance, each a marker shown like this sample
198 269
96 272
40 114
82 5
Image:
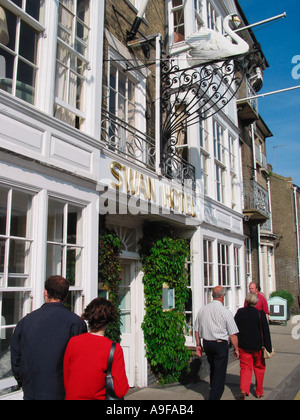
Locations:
284 295
164 261
110 274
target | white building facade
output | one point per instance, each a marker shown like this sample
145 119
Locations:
59 169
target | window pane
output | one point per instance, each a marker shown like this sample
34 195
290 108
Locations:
33 8
55 221
13 307
11 24
122 84
2 256
74 225
83 10
54 260
5 340
20 223
19 252
73 273
25 82
65 30
72 299
18 281
18 3
3 210
28 40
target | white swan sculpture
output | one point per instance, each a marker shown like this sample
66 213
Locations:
208 45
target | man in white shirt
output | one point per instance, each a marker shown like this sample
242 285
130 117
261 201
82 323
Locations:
215 325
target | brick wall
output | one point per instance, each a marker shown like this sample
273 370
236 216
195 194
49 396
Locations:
284 226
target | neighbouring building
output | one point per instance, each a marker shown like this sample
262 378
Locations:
285 199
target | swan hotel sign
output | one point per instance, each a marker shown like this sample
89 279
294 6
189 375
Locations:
125 190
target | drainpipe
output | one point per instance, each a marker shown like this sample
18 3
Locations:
158 118
138 20
298 239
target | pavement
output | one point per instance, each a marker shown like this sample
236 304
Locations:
282 379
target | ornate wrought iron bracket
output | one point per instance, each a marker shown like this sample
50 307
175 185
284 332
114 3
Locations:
190 95
193 94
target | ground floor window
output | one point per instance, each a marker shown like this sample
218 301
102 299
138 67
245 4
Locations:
222 266
16 244
64 250
208 264
65 247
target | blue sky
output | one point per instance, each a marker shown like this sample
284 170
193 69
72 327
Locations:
280 43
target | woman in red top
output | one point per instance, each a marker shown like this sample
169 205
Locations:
86 357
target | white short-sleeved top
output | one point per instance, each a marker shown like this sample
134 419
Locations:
215 322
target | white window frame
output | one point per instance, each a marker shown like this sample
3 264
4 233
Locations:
210 264
22 16
76 291
59 104
4 288
224 280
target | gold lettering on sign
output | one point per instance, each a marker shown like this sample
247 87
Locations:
135 183
115 169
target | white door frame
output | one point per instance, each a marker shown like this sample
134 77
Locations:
133 344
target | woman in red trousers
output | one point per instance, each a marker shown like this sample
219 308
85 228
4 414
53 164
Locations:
254 333
86 357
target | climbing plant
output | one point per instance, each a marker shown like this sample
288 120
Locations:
109 274
164 260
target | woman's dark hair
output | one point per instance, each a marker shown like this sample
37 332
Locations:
99 313
57 288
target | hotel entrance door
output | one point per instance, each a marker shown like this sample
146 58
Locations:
127 295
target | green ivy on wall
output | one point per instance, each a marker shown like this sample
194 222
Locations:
109 274
164 261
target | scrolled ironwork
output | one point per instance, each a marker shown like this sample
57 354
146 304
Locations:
122 138
188 96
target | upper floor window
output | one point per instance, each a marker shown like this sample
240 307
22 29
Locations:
122 96
179 21
213 17
19 34
72 60
198 4
218 134
232 155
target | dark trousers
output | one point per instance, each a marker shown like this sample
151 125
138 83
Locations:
217 355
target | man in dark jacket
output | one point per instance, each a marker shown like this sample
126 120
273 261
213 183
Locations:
39 343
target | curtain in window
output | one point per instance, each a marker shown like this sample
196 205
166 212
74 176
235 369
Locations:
4 36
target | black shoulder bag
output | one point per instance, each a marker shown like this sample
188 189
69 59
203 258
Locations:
110 391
